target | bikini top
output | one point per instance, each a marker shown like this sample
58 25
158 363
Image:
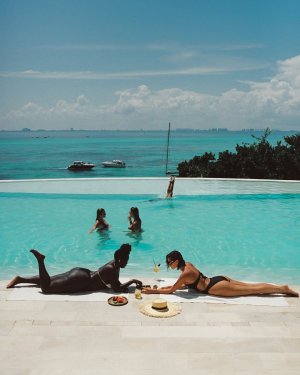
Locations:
102 225
195 283
103 282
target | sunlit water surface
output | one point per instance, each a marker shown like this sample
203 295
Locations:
250 237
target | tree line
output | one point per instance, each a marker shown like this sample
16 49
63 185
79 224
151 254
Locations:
259 160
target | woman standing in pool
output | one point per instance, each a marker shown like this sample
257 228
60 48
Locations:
135 223
81 279
100 223
220 286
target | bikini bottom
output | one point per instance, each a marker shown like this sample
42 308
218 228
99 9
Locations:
213 281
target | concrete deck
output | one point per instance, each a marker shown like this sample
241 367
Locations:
72 338
150 185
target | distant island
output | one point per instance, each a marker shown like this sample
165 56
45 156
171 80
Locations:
179 130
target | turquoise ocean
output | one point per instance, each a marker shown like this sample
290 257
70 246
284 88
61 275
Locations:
46 154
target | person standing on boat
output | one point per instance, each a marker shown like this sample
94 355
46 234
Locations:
100 223
135 223
170 187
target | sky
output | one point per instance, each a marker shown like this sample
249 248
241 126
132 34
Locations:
140 64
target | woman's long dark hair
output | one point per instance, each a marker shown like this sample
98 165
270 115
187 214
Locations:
135 212
123 252
175 255
100 211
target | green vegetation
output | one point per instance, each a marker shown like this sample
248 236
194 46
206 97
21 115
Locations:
257 160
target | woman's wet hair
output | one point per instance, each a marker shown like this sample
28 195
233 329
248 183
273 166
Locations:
123 252
135 212
173 256
100 211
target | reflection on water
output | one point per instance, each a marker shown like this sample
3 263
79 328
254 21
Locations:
135 237
104 236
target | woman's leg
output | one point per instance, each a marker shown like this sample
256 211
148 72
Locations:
45 279
75 280
23 280
35 279
235 288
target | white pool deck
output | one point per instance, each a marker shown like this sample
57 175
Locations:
89 338
92 338
151 185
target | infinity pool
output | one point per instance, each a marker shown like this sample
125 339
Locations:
251 237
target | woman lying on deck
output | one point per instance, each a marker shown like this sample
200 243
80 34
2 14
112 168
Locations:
81 279
220 286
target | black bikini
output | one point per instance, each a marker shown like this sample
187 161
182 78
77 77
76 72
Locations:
195 283
213 281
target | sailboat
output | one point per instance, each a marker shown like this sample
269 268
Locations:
167 159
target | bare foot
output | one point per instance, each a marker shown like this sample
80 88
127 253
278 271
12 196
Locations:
37 254
290 291
13 282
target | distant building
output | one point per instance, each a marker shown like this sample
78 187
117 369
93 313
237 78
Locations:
218 129
187 130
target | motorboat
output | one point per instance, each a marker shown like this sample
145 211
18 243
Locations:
79 165
114 164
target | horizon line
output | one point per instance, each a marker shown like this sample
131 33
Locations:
185 130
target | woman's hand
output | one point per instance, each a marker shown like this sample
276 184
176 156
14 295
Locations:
138 283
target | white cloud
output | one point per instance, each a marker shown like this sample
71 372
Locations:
233 66
79 107
61 109
170 47
28 111
274 102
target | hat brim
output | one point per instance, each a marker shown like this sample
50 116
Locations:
172 310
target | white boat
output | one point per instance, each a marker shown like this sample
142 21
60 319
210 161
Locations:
114 164
79 165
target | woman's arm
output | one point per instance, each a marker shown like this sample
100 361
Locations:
166 289
118 287
112 278
94 227
130 282
132 225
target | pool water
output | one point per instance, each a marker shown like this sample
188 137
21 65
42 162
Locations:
249 237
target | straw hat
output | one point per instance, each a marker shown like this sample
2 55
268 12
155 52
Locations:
166 310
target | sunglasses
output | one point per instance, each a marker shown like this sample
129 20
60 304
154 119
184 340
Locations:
171 262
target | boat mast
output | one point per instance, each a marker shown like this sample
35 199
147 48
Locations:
167 161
